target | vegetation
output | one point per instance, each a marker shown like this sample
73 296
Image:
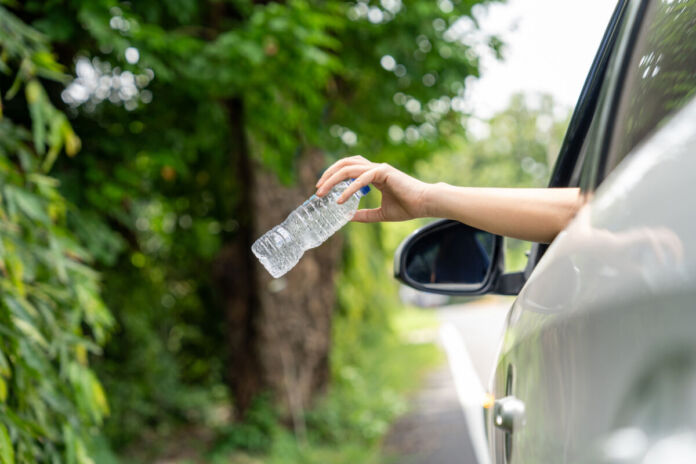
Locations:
190 127
346 425
51 313
515 148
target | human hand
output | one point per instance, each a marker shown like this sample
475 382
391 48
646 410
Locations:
403 197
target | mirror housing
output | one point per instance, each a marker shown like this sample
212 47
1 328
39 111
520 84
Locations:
451 258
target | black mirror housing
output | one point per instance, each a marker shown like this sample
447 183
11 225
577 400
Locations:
450 258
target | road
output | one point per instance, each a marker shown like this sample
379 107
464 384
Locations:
435 430
480 324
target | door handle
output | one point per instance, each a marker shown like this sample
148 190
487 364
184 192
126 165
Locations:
508 413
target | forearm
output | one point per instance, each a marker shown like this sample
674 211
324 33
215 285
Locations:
536 215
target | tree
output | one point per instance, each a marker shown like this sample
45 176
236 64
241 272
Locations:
517 147
195 117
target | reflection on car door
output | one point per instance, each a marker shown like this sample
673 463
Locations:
610 302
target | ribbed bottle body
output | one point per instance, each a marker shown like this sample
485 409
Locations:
308 226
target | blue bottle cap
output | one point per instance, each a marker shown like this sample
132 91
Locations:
364 190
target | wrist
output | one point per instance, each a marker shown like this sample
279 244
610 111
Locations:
432 199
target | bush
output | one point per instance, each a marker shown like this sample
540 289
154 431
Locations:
51 314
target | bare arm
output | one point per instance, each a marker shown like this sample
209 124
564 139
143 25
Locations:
535 214
529 214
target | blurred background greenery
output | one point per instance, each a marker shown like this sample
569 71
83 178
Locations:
145 144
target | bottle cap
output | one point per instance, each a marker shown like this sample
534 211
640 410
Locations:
364 190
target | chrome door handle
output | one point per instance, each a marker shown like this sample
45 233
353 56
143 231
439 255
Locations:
508 413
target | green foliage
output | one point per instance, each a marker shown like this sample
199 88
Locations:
657 83
370 392
347 425
157 194
51 314
255 434
515 148
163 194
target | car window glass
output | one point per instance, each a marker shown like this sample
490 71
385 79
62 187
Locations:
585 171
660 75
583 174
587 156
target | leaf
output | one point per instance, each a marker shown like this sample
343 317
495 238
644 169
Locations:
43 180
16 85
15 268
28 203
55 142
72 141
70 444
24 425
30 331
83 454
46 60
58 259
6 449
5 369
20 307
81 354
34 93
98 395
3 390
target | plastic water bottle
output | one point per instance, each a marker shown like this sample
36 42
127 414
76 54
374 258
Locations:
307 227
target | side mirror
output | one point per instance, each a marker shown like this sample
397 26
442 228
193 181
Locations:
452 258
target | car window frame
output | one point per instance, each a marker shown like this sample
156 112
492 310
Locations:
584 113
609 105
615 93
595 147
586 106
610 159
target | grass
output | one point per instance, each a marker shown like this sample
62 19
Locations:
372 382
366 397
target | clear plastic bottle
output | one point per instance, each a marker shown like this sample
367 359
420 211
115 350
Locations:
307 227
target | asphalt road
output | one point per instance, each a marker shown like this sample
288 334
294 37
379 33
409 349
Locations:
480 325
435 431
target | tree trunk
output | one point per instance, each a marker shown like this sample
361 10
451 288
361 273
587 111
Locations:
279 330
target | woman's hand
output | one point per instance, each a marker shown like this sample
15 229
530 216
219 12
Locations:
403 197
533 214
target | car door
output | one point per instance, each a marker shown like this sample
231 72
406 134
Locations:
601 336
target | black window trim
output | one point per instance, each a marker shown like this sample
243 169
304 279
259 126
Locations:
581 119
616 93
587 102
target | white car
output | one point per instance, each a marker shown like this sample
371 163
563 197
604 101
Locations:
598 359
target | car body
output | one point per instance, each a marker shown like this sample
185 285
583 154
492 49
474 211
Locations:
598 359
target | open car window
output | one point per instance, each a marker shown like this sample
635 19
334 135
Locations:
659 77
651 76
585 171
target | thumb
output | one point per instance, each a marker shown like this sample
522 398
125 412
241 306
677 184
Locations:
368 215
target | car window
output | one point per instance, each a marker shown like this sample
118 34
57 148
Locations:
584 174
585 171
660 76
582 128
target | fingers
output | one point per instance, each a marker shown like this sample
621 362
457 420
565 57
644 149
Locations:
347 172
364 179
331 170
368 215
